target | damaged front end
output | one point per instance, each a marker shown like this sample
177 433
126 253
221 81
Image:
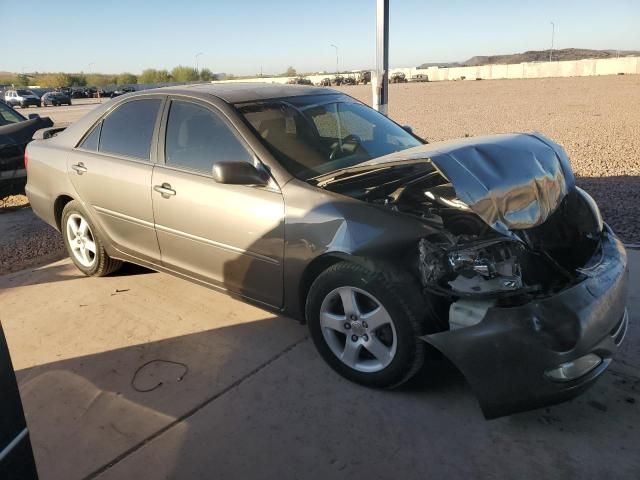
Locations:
534 282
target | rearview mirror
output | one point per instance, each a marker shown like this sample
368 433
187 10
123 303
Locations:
408 128
239 173
33 115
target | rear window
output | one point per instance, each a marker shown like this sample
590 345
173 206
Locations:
128 130
25 92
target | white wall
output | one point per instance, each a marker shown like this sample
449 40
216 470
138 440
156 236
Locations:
571 68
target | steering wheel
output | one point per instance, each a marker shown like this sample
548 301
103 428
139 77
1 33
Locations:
351 141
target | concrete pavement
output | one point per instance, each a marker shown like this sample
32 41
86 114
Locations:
250 398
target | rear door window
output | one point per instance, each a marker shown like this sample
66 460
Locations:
128 130
197 138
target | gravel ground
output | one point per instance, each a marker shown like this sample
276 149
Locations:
25 240
596 119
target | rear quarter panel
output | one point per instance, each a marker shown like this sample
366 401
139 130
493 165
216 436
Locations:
47 177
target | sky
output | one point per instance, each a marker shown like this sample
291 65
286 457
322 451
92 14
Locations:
243 37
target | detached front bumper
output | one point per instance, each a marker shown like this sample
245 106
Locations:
507 357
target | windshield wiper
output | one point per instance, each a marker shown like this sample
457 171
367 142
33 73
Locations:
362 169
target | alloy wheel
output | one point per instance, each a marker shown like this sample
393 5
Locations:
81 240
358 329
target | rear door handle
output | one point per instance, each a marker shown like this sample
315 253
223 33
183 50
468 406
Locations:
79 168
165 190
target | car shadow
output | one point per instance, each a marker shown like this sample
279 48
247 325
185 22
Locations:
619 199
85 411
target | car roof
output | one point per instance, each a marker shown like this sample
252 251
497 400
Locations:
239 92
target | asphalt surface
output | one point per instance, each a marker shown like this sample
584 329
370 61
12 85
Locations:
248 397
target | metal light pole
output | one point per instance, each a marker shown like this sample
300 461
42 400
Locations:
90 64
553 32
197 63
336 47
380 83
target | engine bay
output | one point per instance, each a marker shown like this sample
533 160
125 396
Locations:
467 258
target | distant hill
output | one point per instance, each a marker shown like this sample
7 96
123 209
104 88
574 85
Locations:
536 56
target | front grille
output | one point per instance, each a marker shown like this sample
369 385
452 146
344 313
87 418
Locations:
620 330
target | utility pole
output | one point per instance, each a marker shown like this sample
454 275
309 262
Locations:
553 32
380 81
197 63
336 47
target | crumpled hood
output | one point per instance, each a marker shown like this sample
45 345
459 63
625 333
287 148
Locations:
511 181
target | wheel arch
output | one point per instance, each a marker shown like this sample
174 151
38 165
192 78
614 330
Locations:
58 206
313 270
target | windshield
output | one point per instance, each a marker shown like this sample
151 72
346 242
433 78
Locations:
8 115
313 135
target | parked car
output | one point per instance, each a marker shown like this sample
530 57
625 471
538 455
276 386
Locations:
337 80
55 99
364 77
420 77
15 132
16 455
300 81
21 98
78 93
325 82
39 92
122 91
398 77
349 80
307 202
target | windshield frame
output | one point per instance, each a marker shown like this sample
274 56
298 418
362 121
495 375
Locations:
313 101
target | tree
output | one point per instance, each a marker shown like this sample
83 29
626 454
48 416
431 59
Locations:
151 75
21 80
127 79
55 80
291 72
100 80
206 75
78 80
148 76
184 74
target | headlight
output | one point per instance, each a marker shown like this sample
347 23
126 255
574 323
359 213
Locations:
565 372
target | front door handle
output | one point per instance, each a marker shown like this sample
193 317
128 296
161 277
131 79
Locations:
165 190
79 168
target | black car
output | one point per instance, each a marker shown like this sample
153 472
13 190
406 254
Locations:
16 455
79 93
121 91
39 92
15 132
55 99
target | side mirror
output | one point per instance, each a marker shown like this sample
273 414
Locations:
408 128
239 173
33 115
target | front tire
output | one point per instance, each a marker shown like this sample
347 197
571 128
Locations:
83 245
365 320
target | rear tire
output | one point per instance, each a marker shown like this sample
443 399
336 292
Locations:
390 314
83 244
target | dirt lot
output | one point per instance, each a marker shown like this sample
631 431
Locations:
596 119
